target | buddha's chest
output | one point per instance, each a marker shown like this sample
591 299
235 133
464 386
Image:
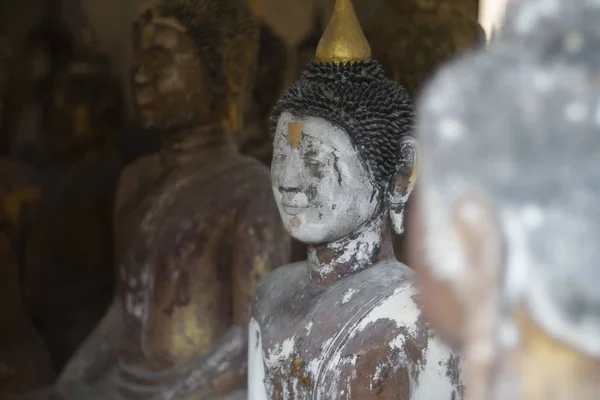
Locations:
174 248
177 207
176 222
356 347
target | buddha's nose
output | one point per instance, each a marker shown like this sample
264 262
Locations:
291 178
140 77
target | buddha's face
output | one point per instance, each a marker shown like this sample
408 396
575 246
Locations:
168 83
323 190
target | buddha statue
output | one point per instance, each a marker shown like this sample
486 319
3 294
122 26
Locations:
508 268
196 225
346 323
25 363
69 277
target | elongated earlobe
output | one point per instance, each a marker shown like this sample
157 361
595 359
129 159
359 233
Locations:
403 181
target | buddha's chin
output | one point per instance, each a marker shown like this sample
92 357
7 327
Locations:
146 119
305 232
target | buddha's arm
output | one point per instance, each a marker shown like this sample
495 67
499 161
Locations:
261 245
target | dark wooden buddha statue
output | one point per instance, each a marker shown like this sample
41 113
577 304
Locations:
196 225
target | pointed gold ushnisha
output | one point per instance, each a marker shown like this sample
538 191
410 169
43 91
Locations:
343 40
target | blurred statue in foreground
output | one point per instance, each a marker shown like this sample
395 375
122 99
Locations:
346 323
509 268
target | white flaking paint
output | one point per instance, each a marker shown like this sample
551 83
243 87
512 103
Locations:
364 244
281 352
348 295
433 382
256 366
309 327
321 187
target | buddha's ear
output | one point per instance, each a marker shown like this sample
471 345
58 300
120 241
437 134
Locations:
403 181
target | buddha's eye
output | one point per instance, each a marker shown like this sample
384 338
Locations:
279 157
311 162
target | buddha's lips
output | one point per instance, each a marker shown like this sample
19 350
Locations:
145 98
292 210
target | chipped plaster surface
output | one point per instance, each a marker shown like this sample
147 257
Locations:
322 189
333 370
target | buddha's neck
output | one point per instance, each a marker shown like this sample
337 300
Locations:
368 245
199 145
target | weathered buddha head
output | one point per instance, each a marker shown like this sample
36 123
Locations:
509 214
343 147
194 62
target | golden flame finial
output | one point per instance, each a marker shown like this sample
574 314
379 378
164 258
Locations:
343 40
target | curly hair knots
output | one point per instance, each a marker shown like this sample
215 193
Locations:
214 25
375 111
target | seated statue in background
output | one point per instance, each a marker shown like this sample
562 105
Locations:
196 225
25 363
346 323
509 269
69 276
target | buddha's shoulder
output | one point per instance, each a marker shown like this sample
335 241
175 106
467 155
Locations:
142 169
137 174
380 290
289 290
248 174
381 279
286 288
